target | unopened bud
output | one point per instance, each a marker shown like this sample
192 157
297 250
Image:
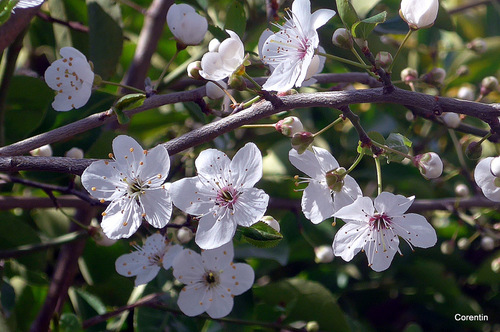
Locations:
74 153
43 151
383 60
473 151
452 120
495 166
435 77
447 247
462 71
184 235
461 190
477 45
342 38
312 326
409 75
495 265
213 45
214 91
301 141
463 243
289 126
193 70
487 243
335 178
269 220
465 93
324 254
488 84
429 165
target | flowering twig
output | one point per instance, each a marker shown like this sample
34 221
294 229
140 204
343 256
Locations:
384 76
346 61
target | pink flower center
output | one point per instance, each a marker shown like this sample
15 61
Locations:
226 197
380 222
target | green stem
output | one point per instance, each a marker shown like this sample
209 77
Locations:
379 175
123 86
360 59
458 149
225 91
349 62
399 50
250 102
484 138
164 72
340 119
248 77
385 147
356 162
263 125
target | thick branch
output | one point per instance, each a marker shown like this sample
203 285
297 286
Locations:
151 32
26 203
15 24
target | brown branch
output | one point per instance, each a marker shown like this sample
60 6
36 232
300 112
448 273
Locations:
64 273
151 32
27 203
15 25
77 26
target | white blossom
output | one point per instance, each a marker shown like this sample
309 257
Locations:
290 51
319 200
489 183
211 281
28 3
429 165
223 194
187 26
219 64
375 228
451 119
146 261
213 91
43 151
466 93
74 152
72 78
134 184
419 13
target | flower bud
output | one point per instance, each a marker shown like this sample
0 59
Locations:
477 45
269 220
237 82
429 165
213 45
324 254
342 38
312 326
474 151
419 13
213 91
462 71
383 59
495 166
301 141
447 247
193 70
74 153
184 235
461 190
409 75
43 151
463 243
465 93
495 265
452 120
289 126
187 26
488 84
487 243
435 77
335 178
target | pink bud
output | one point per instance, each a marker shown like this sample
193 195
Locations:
289 126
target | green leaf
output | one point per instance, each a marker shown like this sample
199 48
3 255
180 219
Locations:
347 13
69 322
6 7
362 29
261 235
217 32
394 25
363 7
129 101
299 298
105 36
443 20
7 297
397 142
93 301
236 18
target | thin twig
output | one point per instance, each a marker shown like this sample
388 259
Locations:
77 26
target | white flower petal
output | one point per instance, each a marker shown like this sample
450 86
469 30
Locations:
284 76
192 196
381 259
148 275
350 239
218 258
416 230
210 162
128 154
246 166
250 207
486 180
325 159
317 203
215 230
157 206
320 17
221 303
156 165
302 12
350 191
239 278
392 205
122 219
361 210
194 299
101 180
307 163
171 255
187 267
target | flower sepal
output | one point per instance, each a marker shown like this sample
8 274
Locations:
335 178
